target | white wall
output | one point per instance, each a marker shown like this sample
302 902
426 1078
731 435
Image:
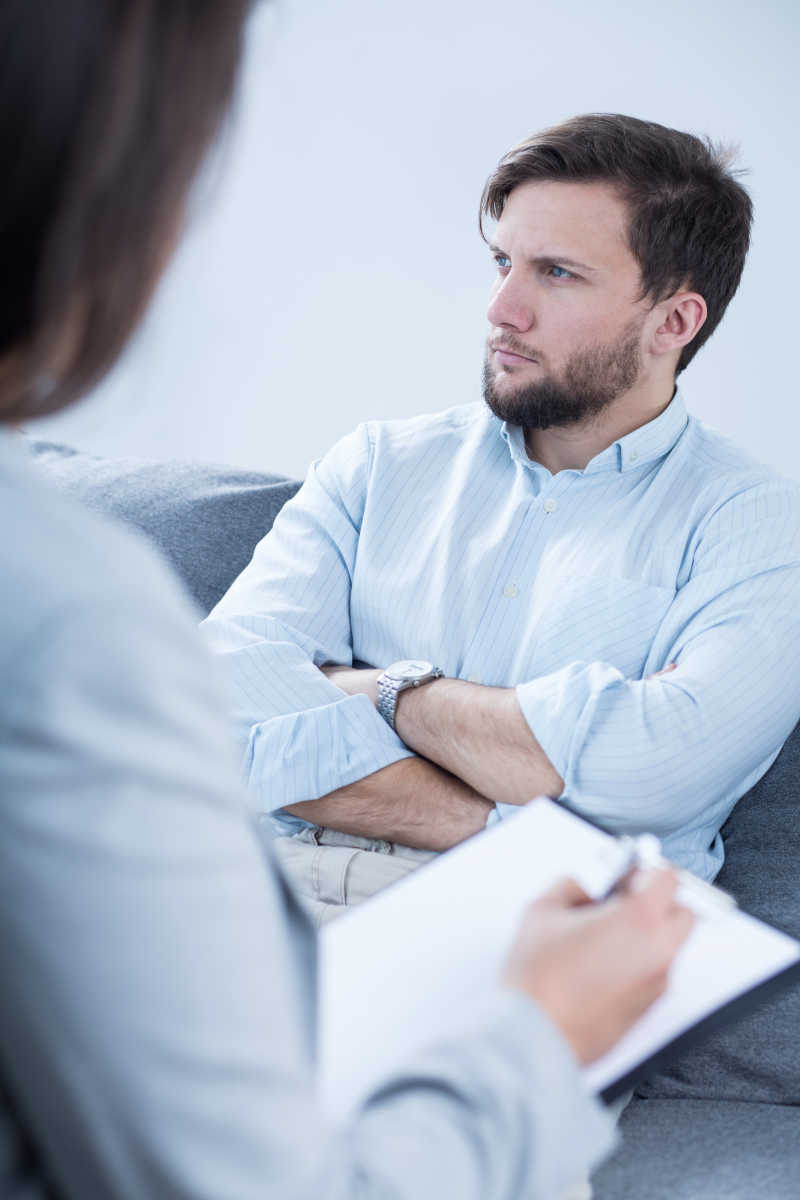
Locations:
333 272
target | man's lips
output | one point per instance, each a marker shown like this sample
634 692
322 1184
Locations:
511 357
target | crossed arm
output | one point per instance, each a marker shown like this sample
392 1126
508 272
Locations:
476 748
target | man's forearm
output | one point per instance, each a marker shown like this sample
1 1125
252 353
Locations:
480 735
412 801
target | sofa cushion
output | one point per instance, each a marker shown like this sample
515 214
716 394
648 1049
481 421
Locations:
756 1057
205 519
703 1150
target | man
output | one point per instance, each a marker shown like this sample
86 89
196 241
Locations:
607 588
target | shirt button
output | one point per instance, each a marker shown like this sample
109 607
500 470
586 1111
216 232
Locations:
550 505
510 591
633 456
474 679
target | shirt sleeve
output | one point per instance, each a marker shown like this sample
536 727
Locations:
157 1009
288 614
676 751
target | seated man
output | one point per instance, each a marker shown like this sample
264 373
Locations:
600 595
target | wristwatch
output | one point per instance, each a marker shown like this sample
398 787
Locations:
408 673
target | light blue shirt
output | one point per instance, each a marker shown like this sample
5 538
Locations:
438 538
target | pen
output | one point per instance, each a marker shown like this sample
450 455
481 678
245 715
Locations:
644 852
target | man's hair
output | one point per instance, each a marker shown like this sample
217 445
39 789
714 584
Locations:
688 216
106 110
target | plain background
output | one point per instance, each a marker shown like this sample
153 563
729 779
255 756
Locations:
332 270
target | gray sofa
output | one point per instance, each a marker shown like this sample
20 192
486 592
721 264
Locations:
723 1121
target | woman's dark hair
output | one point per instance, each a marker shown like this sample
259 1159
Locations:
106 110
689 218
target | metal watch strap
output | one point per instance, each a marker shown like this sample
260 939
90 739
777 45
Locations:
388 690
390 687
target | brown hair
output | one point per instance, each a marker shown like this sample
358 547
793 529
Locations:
106 110
689 217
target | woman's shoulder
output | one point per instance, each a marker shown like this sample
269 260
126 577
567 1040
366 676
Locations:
101 658
58 558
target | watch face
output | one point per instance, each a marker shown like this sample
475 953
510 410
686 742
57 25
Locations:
412 668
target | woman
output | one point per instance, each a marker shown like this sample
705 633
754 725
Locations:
157 1004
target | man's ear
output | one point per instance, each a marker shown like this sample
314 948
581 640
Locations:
679 320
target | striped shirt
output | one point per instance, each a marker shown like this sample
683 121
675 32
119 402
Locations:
438 538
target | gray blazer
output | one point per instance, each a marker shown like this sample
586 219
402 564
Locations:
157 1004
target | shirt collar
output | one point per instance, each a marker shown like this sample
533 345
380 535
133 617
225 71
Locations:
644 445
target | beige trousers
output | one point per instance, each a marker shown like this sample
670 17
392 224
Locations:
332 871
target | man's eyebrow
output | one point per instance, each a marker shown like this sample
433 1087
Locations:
543 260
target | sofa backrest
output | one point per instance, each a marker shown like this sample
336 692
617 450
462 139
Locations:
206 520
758 1056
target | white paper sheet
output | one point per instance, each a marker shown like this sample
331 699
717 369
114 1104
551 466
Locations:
423 958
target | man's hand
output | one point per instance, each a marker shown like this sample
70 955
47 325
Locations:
475 733
595 968
355 681
479 734
411 801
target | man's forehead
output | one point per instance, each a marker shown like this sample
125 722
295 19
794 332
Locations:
583 221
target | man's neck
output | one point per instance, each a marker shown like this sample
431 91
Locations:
572 447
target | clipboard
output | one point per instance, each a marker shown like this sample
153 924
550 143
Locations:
420 962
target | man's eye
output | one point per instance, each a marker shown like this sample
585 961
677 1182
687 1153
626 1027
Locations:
503 261
560 272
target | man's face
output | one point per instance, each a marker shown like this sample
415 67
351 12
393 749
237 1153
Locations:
565 311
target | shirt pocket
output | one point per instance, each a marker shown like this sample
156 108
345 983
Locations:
595 618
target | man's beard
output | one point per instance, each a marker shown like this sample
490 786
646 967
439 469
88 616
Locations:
592 379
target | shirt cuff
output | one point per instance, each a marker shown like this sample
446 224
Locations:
302 756
559 709
569 1115
515 1065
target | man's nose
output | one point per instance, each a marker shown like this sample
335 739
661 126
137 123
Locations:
511 305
